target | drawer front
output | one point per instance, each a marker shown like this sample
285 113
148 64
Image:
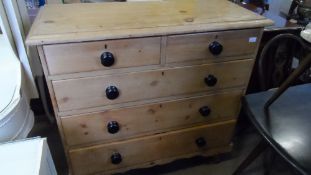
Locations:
194 47
136 121
114 89
89 56
148 149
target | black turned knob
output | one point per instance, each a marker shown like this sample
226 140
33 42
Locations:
116 158
112 92
107 59
113 127
210 80
200 142
215 48
205 111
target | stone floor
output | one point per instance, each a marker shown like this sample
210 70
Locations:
221 165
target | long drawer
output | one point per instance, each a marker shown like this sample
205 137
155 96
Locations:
212 47
136 121
113 89
89 56
148 149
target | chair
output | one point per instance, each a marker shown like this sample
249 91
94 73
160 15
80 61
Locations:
283 116
300 10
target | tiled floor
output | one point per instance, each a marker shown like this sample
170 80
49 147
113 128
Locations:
222 165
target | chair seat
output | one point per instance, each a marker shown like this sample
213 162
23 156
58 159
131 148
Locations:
288 126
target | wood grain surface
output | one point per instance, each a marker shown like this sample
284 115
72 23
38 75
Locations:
193 47
94 159
57 23
84 57
150 119
90 92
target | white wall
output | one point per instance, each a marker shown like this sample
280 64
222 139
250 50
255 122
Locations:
280 5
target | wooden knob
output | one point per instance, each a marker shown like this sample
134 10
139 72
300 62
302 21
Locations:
112 92
107 59
215 48
205 111
116 158
200 142
113 127
210 80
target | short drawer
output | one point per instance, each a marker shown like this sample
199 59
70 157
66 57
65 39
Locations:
114 89
101 55
145 150
136 121
212 47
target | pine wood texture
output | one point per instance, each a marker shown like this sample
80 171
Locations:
53 1
95 159
85 57
193 47
209 152
150 119
90 92
57 23
162 58
72 1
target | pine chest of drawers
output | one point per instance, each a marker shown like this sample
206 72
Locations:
143 83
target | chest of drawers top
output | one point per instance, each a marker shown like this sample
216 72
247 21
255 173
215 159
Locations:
91 22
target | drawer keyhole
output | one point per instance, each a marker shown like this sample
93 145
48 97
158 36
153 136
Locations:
107 59
215 48
116 158
112 92
113 127
205 111
210 80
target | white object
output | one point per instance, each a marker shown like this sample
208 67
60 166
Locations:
16 118
14 23
10 76
26 157
306 33
252 40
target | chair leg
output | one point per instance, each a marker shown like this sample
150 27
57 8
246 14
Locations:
251 157
268 160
